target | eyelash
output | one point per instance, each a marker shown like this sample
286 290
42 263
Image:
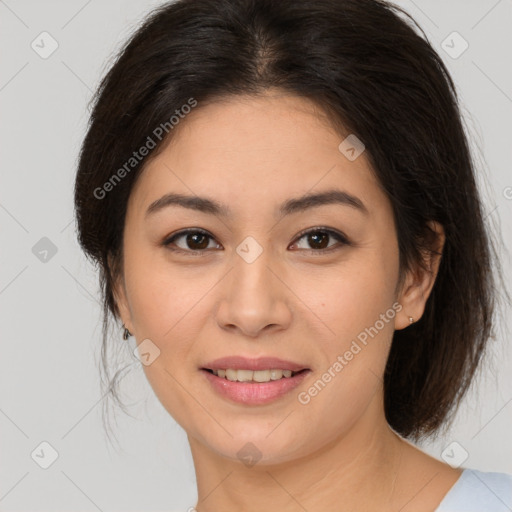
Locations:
201 252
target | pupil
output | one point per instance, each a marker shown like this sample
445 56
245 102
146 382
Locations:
313 240
195 236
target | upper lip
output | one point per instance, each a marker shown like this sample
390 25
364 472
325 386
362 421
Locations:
261 363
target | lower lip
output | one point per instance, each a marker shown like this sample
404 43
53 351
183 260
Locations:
254 393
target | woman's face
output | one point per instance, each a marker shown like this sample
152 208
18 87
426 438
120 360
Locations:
255 285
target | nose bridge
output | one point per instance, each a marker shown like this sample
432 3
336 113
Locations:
255 297
251 273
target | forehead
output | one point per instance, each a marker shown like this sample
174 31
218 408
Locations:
254 150
264 126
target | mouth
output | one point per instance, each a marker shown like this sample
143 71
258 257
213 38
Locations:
253 387
255 376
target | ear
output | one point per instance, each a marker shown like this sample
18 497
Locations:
120 296
419 282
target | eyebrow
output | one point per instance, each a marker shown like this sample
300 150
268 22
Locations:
299 204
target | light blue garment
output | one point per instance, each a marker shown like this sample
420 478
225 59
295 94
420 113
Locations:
479 491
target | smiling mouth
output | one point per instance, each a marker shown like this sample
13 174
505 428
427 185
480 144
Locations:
257 376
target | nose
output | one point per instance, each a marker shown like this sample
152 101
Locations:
255 298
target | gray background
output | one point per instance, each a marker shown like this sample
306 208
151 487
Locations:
49 384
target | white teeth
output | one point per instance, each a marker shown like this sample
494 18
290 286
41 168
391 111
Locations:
252 376
275 374
231 375
244 375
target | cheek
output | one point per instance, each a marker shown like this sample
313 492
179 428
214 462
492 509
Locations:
360 313
357 296
165 307
359 308
161 296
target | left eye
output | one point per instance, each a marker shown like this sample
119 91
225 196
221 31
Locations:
318 238
197 241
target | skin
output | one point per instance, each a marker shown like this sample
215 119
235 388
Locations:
337 452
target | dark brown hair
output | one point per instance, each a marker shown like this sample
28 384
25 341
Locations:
364 63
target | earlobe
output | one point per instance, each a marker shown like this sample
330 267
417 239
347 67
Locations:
119 292
120 298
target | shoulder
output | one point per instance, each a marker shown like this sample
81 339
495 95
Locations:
476 491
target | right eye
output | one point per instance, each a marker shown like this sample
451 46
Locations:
196 241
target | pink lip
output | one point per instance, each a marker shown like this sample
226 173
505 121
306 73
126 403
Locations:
254 393
262 363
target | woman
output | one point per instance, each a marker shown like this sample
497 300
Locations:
282 204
